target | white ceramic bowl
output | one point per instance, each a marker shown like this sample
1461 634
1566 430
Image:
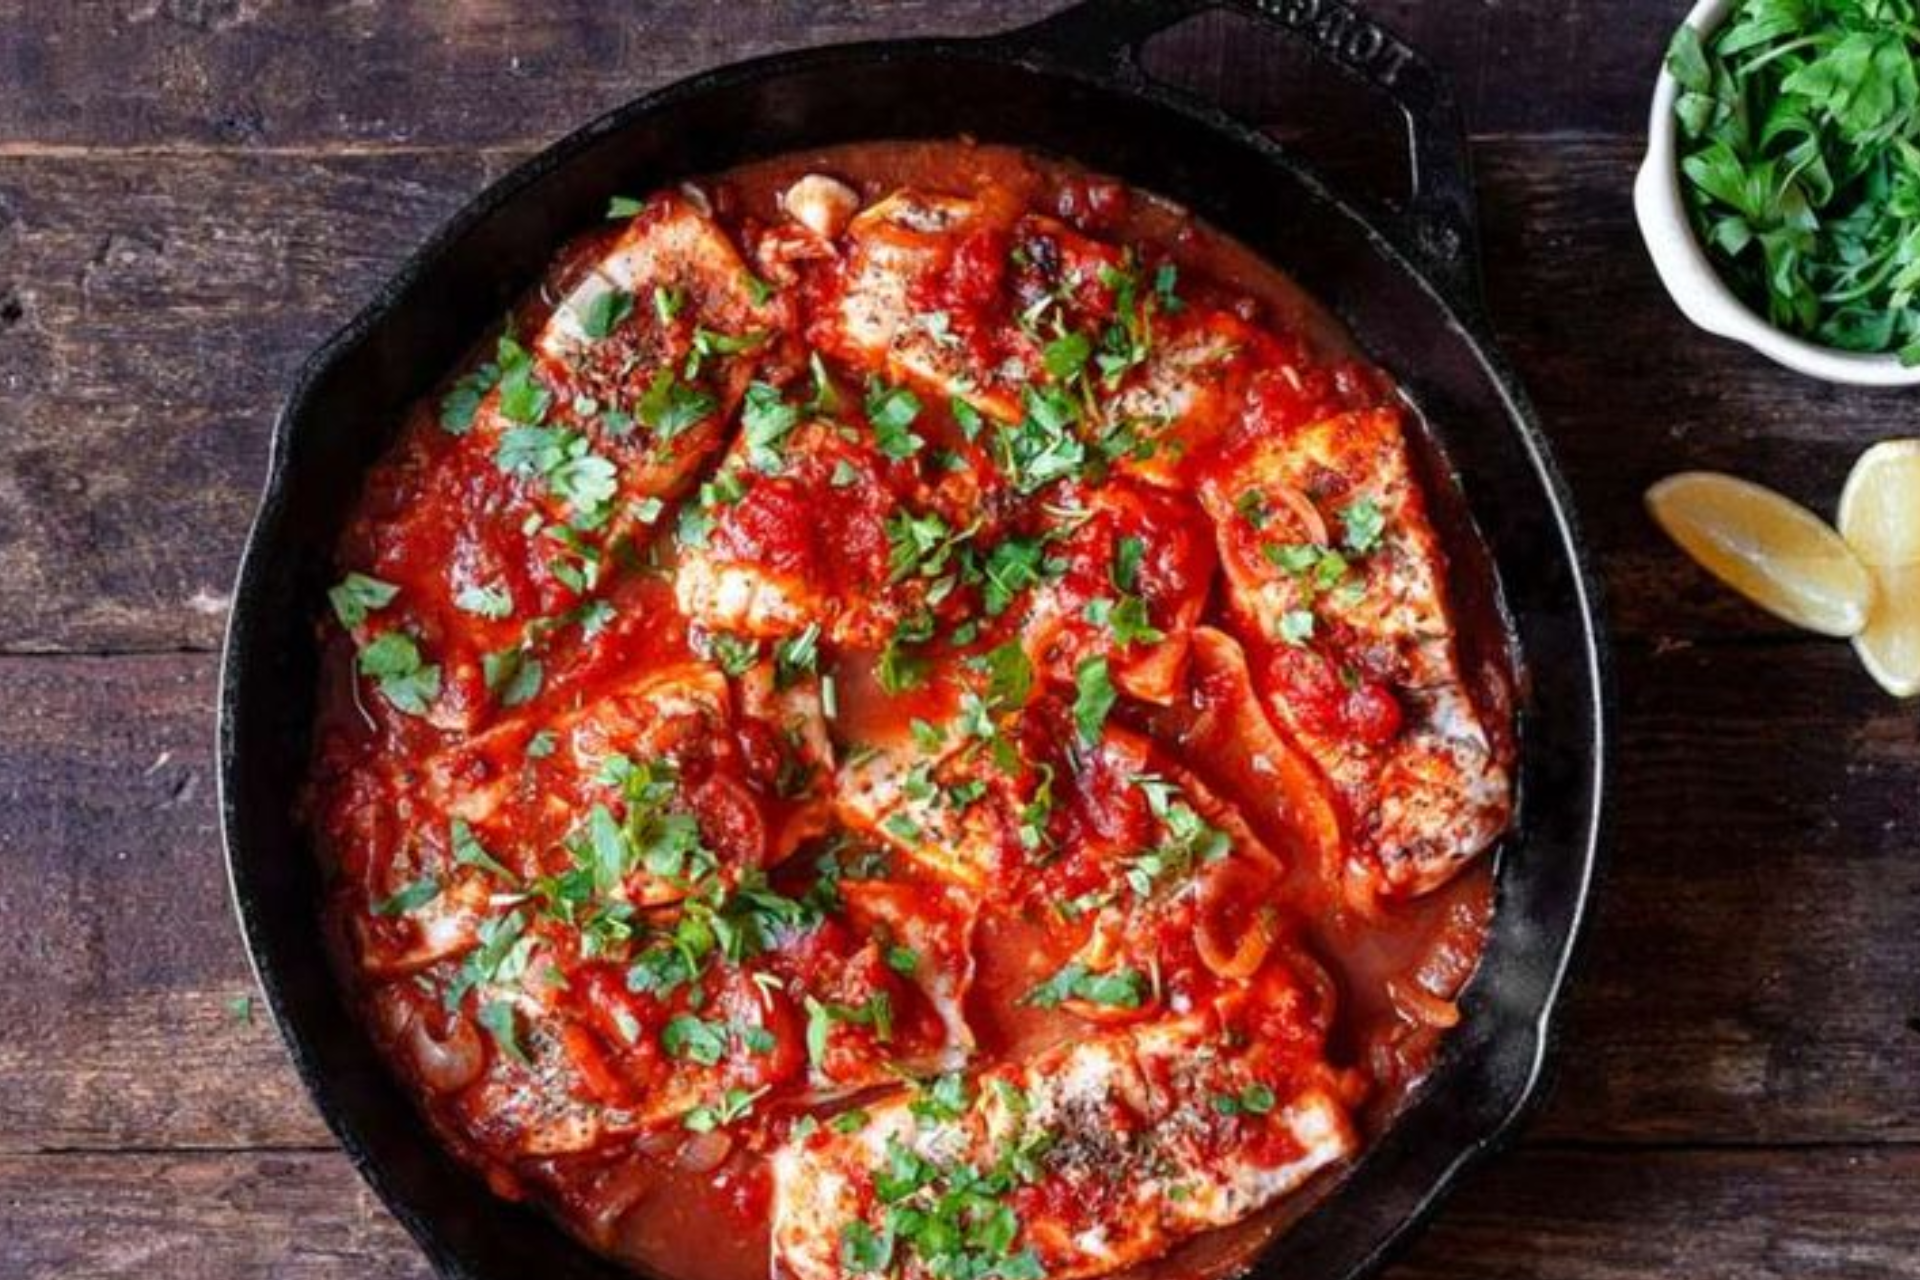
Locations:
1690 277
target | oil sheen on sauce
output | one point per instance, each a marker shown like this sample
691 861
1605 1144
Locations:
694 1207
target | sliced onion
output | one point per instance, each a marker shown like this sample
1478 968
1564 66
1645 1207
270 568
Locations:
1232 936
450 1063
821 204
1417 1004
1304 511
704 1152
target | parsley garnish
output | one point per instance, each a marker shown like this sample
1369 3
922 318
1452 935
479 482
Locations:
522 398
462 401
604 312
668 302
1254 1100
1011 567
766 422
796 656
891 411
484 600
497 1016
1119 989
469 852
1094 697
1066 356
1009 674
1296 626
688 1037
733 1105
357 595
670 407
1364 524
512 676
410 899
875 1012
393 660
1799 122
1043 447
966 417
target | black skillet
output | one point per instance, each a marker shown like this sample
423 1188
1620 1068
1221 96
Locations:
1402 282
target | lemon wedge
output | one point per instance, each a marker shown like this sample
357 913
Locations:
1880 519
1771 550
1889 647
1880 507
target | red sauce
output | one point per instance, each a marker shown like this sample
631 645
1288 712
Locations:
613 906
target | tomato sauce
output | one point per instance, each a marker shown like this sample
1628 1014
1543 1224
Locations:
726 716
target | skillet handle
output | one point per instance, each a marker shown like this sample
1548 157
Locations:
1103 37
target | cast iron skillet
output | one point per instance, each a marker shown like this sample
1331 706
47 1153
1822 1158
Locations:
1402 282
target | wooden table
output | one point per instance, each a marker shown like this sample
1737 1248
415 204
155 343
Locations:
194 192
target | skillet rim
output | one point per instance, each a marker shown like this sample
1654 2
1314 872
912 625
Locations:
1385 235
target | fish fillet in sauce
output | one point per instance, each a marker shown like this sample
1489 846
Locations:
790 759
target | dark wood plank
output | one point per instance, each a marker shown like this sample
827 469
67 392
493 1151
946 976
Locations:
1720 1002
153 309
1706 1215
122 950
280 73
1537 1215
292 1216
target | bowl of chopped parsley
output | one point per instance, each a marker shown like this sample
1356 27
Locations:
1780 197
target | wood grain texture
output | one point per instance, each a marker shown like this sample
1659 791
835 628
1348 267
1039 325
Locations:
426 73
194 193
160 305
1537 1215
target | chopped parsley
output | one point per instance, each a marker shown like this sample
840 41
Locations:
1255 1100
1365 524
734 1104
966 417
891 412
1189 841
696 1041
1066 356
522 398
404 680
1044 446
766 422
604 312
1119 989
1011 567
512 675
1126 617
409 899
357 595
670 407
484 600
497 1017
668 302
946 1098
1094 696
1296 626
469 852
796 656
1009 673
736 655
462 401
875 1012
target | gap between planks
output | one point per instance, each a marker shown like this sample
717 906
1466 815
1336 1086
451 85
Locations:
510 148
